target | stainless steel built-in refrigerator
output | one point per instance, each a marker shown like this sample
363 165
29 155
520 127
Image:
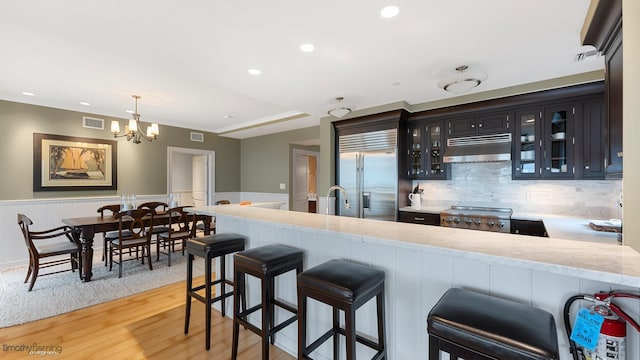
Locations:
368 170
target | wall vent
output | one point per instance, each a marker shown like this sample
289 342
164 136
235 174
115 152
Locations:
92 123
196 136
588 55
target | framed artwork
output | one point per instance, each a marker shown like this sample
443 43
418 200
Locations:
73 163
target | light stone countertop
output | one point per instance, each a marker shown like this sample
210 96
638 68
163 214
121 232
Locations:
558 226
611 263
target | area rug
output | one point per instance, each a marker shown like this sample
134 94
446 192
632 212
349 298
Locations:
60 293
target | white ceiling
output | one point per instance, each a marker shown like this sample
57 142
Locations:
188 60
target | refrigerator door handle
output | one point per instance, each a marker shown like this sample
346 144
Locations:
366 200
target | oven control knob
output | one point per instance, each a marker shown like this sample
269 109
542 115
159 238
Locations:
468 221
456 220
490 223
478 222
448 219
501 224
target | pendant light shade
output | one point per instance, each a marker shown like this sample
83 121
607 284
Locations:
463 81
339 108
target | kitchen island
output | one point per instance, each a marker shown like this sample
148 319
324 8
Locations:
422 262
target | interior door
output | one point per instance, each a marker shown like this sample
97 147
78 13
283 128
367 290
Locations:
199 180
300 183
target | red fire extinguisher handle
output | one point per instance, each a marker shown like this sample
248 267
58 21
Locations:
608 296
618 311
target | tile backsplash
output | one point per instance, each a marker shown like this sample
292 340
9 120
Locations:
490 184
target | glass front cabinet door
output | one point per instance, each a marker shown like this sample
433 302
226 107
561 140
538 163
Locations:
416 152
560 141
544 143
528 144
425 151
437 169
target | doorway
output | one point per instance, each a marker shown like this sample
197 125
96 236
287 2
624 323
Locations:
305 179
191 175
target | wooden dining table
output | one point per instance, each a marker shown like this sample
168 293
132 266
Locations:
91 225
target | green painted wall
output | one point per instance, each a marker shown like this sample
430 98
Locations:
142 168
266 160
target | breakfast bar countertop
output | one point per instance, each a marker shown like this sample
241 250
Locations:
594 260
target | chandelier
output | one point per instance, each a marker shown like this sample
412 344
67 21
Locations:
133 131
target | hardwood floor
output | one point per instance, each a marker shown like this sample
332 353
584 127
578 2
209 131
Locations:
149 325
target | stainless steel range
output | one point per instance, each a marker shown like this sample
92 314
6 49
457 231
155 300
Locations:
477 218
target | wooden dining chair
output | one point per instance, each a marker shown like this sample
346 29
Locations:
108 210
156 207
132 233
181 228
40 246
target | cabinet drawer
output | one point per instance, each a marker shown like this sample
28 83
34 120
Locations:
419 218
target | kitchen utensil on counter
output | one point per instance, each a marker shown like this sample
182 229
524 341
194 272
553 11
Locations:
611 225
416 200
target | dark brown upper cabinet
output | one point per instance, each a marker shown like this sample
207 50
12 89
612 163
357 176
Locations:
545 142
479 125
425 151
605 33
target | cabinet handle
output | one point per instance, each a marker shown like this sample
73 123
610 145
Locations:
418 219
480 125
587 167
473 125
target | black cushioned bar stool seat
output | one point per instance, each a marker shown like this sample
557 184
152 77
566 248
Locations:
264 263
345 286
476 326
210 247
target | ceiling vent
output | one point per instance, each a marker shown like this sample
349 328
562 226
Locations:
196 136
92 123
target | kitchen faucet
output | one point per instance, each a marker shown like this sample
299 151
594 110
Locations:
343 191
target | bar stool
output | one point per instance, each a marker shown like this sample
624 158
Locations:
264 263
210 247
471 325
345 286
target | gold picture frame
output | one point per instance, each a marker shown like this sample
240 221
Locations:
62 163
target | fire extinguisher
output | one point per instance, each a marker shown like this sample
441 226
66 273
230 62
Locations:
611 343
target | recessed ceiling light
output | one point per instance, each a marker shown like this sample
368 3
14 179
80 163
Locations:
27 93
255 71
85 103
389 11
307 47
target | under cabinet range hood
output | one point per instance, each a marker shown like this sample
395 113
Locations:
481 148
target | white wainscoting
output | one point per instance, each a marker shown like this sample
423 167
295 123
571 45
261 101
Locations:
47 214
